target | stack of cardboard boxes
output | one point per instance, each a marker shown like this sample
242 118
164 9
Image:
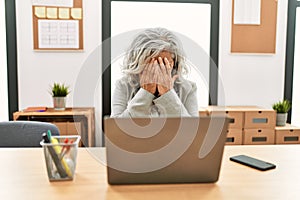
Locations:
249 124
235 127
259 126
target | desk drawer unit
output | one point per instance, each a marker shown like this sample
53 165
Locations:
287 134
259 136
234 137
237 119
260 119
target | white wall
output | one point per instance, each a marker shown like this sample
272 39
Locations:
37 70
3 66
252 79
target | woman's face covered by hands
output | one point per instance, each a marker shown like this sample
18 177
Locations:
168 55
157 74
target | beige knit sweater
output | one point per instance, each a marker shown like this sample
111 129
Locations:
138 102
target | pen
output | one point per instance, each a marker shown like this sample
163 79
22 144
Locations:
66 148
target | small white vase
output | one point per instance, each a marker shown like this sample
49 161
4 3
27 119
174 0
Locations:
59 103
281 119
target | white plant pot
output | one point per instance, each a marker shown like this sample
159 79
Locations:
281 119
59 103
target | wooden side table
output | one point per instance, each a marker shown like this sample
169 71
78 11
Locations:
86 116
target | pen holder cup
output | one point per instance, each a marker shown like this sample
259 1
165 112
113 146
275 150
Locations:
60 157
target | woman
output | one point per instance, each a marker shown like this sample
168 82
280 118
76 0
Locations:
153 84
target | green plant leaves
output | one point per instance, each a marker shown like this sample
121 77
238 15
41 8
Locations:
59 90
282 106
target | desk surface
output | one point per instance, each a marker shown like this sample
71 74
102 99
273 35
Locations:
23 176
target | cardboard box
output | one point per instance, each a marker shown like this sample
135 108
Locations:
62 126
259 136
203 112
260 119
234 137
288 134
214 111
74 128
236 115
237 119
69 128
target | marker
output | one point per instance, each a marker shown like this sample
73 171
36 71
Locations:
45 137
49 135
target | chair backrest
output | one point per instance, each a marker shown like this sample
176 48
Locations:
24 133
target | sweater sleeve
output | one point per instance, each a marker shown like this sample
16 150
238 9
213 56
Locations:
170 104
138 106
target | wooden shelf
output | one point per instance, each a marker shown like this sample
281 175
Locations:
68 121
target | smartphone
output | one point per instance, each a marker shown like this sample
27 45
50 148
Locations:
253 162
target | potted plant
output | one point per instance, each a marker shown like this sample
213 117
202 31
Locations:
281 108
59 93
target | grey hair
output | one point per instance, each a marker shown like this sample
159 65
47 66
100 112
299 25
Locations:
147 45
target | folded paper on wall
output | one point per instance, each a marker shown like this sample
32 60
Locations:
247 12
40 12
64 13
52 13
76 13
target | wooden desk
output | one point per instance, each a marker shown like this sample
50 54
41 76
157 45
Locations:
84 115
23 176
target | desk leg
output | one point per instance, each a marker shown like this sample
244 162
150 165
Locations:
91 129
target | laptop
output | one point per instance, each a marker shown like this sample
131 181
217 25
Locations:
164 150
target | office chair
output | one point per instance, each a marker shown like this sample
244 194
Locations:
24 133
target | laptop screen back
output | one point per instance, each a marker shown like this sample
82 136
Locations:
164 150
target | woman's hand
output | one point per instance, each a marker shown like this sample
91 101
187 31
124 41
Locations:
147 77
157 75
163 75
